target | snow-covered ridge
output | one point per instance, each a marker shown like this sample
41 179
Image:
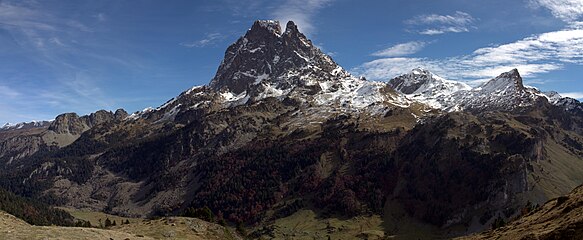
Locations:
505 92
423 86
25 125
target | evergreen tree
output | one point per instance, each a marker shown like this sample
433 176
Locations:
107 223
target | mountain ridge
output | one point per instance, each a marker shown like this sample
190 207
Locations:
504 92
257 148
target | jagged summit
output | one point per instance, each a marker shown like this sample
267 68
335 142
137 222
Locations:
271 26
422 81
424 86
71 123
266 58
268 63
508 81
504 92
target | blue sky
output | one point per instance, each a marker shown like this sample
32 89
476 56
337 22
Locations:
82 56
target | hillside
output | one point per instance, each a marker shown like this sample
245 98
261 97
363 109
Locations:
167 228
33 211
559 218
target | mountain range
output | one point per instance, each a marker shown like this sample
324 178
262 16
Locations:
283 129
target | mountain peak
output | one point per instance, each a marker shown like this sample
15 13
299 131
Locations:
271 26
420 71
411 82
506 81
25 125
265 56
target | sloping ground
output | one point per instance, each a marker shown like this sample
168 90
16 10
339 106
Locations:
166 228
305 224
559 218
14 228
179 228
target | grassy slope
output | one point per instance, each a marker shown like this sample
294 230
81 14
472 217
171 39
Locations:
14 228
559 218
93 217
164 228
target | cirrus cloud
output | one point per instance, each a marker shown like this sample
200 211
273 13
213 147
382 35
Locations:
532 55
567 10
401 49
209 39
433 24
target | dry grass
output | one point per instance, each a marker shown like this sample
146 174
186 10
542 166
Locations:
305 224
559 218
165 228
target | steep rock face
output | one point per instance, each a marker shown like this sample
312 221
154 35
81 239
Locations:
26 139
267 55
268 63
120 114
505 92
71 123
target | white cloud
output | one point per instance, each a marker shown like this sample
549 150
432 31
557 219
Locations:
576 95
101 17
32 27
434 24
532 55
58 44
401 49
209 39
301 12
567 10
8 92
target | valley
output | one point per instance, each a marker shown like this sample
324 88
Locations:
284 143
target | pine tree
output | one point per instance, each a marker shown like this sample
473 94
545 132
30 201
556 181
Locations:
107 223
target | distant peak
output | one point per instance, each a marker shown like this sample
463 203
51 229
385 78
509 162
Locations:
291 27
510 78
420 71
269 25
509 82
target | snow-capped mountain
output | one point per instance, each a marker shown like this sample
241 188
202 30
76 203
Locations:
267 62
505 92
25 125
568 103
424 86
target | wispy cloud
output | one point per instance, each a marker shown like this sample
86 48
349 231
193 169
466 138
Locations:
209 39
301 12
8 92
102 17
567 10
49 39
533 55
401 49
576 95
434 24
